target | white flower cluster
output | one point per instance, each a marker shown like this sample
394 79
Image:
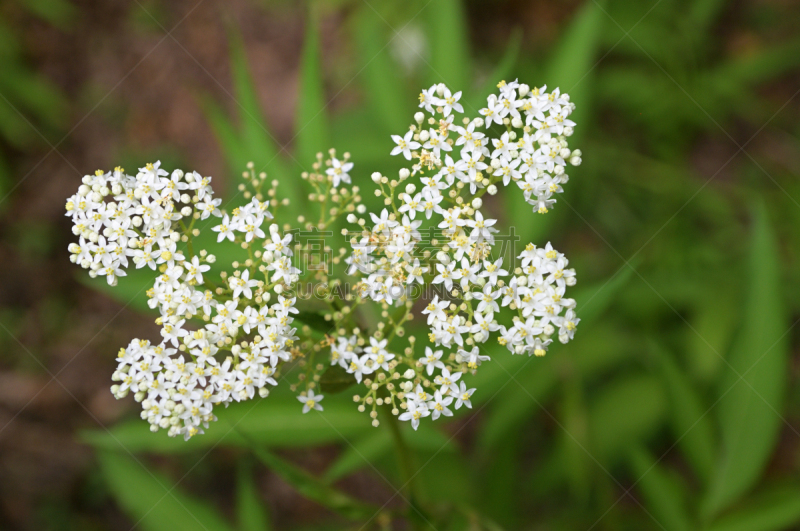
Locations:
227 334
538 295
475 285
533 151
139 220
180 380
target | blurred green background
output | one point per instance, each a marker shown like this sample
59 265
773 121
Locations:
677 405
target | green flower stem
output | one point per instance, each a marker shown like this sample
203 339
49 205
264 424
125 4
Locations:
415 515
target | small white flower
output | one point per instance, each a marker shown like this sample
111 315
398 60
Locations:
432 360
448 381
463 396
311 401
437 143
339 171
415 412
195 270
450 102
481 228
243 285
428 99
415 272
436 310
438 406
405 145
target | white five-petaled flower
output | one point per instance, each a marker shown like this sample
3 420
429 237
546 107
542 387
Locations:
405 144
450 102
481 228
311 401
195 270
243 285
224 229
463 396
432 360
415 272
414 412
339 171
438 406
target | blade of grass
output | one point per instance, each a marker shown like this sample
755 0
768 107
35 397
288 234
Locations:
311 124
503 70
274 421
772 511
152 501
449 46
312 488
749 410
571 69
624 413
250 510
689 420
663 492
379 73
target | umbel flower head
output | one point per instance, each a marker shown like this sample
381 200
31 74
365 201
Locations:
230 330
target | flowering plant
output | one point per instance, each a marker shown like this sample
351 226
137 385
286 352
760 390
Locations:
231 333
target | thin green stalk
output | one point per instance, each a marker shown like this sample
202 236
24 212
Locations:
415 514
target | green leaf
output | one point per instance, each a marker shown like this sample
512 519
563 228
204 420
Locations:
275 421
14 128
702 14
571 68
227 135
378 74
772 511
503 70
715 319
592 301
575 439
760 66
255 133
335 380
501 484
534 380
315 321
752 391
572 65
250 509
691 424
366 140
57 12
34 94
448 42
378 443
373 446
312 488
251 140
131 290
153 500
663 492
625 412
311 126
